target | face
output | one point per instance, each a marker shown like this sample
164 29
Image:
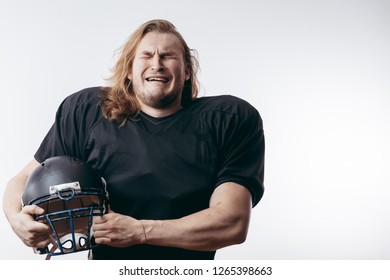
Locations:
158 72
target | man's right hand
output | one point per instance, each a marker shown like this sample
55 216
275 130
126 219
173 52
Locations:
32 233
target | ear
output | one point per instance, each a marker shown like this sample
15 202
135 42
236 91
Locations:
129 75
187 74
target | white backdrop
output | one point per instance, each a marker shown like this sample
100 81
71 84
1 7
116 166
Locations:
317 71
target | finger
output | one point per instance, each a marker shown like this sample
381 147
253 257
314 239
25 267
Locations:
42 228
42 244
38 226
98 225
104 240
33 210
100 234
32 229
99 220
102 237
34 239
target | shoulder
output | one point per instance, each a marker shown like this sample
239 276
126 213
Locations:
81 103
226 105
84 96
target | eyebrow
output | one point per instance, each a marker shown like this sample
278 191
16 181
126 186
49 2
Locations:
163 52
146 52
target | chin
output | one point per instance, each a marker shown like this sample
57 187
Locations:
159 100
166 101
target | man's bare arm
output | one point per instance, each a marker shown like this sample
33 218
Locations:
33 234
224 223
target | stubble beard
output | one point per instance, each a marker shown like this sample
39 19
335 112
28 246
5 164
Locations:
157 101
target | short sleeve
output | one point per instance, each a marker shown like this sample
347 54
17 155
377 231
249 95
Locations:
67 136
240 138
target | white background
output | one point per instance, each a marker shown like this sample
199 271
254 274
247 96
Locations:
317 71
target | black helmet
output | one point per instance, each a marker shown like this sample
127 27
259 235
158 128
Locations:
71 192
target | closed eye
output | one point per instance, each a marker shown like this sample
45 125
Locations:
162 55
146 54
168 55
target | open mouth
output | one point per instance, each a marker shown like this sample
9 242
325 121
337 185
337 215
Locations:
157 79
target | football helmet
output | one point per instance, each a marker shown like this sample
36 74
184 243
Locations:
71 192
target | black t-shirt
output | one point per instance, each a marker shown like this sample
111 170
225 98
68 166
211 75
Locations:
162 168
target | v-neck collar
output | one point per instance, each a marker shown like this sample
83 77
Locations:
155 125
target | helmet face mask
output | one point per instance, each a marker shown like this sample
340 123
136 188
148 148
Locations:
71 193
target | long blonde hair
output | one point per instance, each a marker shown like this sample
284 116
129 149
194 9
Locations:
118 100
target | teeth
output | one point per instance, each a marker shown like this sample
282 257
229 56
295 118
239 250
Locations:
157 79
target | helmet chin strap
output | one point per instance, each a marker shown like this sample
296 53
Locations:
48 256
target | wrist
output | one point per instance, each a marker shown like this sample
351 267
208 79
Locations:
144 238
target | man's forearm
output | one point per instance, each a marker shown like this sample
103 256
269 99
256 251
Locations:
12 197
224 223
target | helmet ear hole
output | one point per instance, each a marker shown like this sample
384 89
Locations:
67 245
82 242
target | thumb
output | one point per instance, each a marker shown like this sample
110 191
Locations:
33 210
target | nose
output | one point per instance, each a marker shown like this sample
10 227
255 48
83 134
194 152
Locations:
156 64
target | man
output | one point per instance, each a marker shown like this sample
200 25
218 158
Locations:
182 172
